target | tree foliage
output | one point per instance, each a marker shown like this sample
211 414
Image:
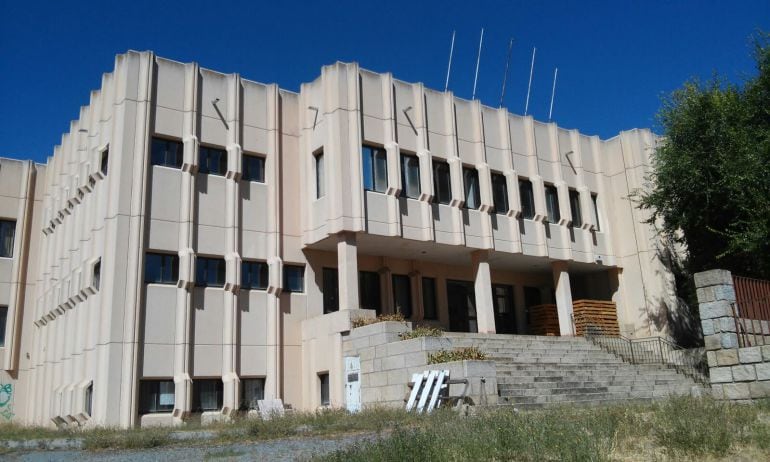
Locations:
710 186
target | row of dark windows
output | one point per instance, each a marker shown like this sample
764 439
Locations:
158 395
211 160
370 293
163 268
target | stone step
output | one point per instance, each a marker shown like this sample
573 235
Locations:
543 386
595 388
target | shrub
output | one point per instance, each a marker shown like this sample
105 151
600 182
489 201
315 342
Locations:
361 322
422 331
458 354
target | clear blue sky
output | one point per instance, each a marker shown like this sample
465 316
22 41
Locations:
615 58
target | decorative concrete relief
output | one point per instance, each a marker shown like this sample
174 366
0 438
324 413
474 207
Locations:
6 401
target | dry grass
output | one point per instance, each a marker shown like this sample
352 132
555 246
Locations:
458 354
361 322
422 331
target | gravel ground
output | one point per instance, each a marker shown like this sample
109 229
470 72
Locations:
274 450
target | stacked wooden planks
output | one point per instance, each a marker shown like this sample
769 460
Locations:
596 317
543 320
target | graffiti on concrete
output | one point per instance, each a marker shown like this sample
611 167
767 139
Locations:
6 401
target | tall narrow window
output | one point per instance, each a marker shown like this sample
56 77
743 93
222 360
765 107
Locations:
156 396
253 168
574 207
429 298
7 234
3 321
402 295
596 211
160 268
442 182
167 153
369 290
331 290
500 193
212 161
375 168
210 272
98 274
252 390
527 199
471 183
323 380
320 178
254 275
410 175
207 395
293 278
552 203
89 399
104 161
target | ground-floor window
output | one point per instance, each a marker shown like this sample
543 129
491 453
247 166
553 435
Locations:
156 396
324 382
369 290
89 399
429 298
402 295
252 390
207 395
331 290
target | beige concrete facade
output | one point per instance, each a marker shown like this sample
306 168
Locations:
78 348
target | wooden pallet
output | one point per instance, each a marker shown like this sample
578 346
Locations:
595 316
543 320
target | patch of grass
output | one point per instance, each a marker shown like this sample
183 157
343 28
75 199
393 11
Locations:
422 331
458 354
140 438
361 322
223 454
12 431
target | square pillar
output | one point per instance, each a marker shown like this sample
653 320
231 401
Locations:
482 287
563 297
347 271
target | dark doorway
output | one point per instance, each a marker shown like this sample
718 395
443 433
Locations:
462 306
505 318
532 298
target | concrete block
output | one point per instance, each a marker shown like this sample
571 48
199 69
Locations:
707 326
713 342
750 355
713 278
744 373
705 294
367 366
729 340
711 358
725 292
716 309
727 357
763 371
366 353
725 325
377 364
392 362
418 358
381 351
766 352
717 392
404 346
375 379
759 389
398 392
736 391
398 377
370 395
721 375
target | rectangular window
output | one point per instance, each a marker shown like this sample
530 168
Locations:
375 168
210 272
3 321
574 207
500 193
254 275
166 153
527 199
212 161
323 380
207 395
161 268
98 274
320 179
252 390
7 235
503 295
552 203
532 297
89 399
369 290
331 290
293 278
105 161
410 176
429 298
253 168
596 211
471 182
442 182
402 295
156 396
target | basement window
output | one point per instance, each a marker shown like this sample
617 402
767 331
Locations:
166 153
410 176
207 395
3 321
156 396
213 161
252 390
442 182
89 399
97 274
324 382
375 168
7 235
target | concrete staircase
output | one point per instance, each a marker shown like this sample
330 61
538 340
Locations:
534 371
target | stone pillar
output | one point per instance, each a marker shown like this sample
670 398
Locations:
563 297
347 271
482 286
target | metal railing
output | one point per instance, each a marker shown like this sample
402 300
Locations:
752 321
656 350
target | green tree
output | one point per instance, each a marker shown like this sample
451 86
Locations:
710 186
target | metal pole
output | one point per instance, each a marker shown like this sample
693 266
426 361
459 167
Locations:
478 60
449 67
505 75
553 93
529 86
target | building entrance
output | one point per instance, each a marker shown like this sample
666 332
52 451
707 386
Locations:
461 300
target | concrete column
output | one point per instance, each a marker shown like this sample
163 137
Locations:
563 297
347 270
482 286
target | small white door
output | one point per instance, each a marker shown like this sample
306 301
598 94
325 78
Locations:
353 383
